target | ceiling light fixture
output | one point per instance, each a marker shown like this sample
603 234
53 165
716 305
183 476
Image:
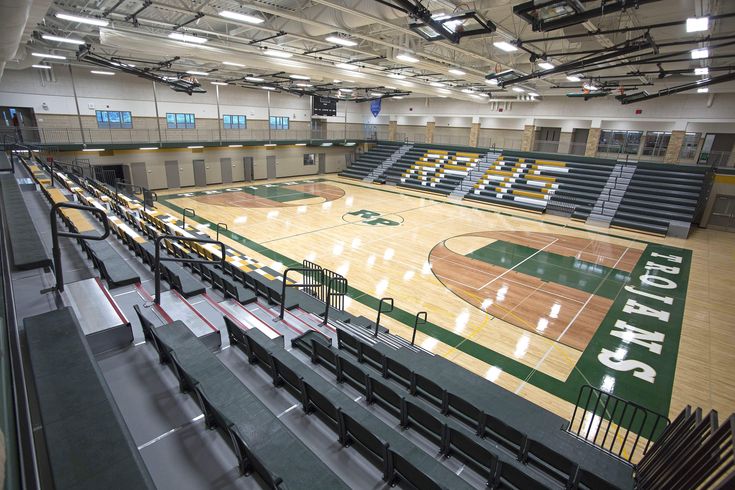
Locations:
277 54
696 24
50 56
230 63
545 65
346 66
178 36
194 147
219 83
93 149
590 86
698 54
340 40
573 78
701 71
376 94
270 144
702 90
407 58
468 91
517 89
43 67
268 87
234 146
148 148
346 90
533 94
58 39
397 76
491 81
505 46
200 73
83 20
304 85
299 77
455 71
300 144
254 79
101 72
227 14
437 84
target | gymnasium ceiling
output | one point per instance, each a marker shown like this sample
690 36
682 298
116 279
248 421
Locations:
650 59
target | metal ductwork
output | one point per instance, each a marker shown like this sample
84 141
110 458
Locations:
13 18
342 20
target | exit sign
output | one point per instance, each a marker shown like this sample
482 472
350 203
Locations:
639 111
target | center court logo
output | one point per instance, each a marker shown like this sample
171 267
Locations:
372 218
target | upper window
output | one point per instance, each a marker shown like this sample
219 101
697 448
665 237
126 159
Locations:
177 120
620 142
656 143
114 119
235 122
279 122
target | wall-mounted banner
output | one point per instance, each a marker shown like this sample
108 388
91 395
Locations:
375 107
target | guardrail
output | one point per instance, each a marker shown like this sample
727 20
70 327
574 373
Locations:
172 238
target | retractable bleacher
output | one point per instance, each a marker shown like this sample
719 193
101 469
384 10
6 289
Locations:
370 160
87 442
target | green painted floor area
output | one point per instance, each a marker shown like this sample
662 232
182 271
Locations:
550 267
274 192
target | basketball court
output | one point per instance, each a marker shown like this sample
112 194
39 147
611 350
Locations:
540 305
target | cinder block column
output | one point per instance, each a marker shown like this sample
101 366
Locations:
593 140
474 134
675 143
392 130
529 131
430 125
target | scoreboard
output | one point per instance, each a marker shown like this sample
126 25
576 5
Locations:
323 106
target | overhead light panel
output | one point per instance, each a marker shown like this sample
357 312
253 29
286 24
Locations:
517 89
270 144
254 79
268 87
300 144
277 53
200 73
82 20
340 40
505 46
234 146
545 65
93 149
455 71
437 84
346 90
179 36
101 72
194 147
346 66
376 94
58 39
42 67
573 78
491 81
397 76
591 87
702 90
407 58
299 77
148 148
219 83
304 85
533 94
468 91
50 56
230 63
698 54
696 24
701 71
227 14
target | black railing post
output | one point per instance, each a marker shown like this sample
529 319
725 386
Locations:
389 302
221 225
419 319
184 215
55 234
285 285
342 282
158 259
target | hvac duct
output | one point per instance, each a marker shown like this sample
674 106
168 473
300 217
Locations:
13 19
342 20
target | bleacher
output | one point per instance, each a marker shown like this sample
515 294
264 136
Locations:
370 160
393 173
657 197
579 189
439 170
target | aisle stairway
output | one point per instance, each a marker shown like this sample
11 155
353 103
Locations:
612 193
377 172
370 160
474 175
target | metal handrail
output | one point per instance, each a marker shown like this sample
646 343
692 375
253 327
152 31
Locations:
332 281
183 217
55 234
119 184
416 321
285 284
159 259
389 302
221 225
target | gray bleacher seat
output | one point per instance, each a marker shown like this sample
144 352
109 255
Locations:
26 248
87 441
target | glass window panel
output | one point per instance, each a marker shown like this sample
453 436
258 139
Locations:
171 120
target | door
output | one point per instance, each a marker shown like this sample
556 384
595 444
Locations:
226 164
723 213
248 167
172 174
322 163
200 174
139 174
270 162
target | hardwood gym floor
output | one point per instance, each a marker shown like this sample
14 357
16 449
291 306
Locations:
539 304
